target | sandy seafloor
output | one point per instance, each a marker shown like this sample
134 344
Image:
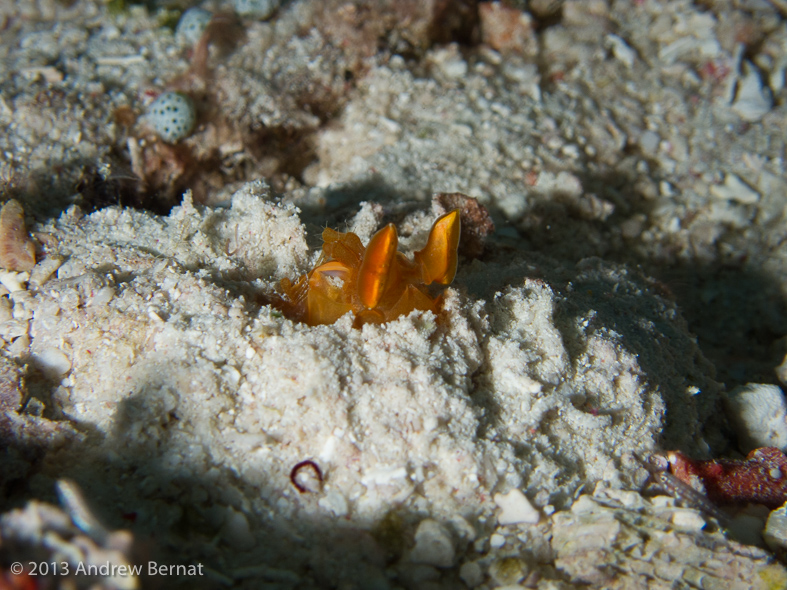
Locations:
631 155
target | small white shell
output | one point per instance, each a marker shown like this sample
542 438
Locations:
172 116
192 24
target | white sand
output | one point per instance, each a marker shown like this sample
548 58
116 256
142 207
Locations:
200 401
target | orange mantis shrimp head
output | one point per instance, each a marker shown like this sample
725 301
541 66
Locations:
376 283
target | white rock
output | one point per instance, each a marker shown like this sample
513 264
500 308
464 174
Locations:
53 362
471 574
383 475
237 531
433 545
688 519
515 508
102 296
44 269
758 413
686 45
649 142
621 50
450 62
496 541
734 189
775 533
14 281
752 101
335 502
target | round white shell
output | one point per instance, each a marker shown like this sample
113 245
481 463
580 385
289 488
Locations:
192 24
172 115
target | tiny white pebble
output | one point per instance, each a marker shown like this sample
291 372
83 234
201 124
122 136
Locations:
496 541
688 519
775 473
515 508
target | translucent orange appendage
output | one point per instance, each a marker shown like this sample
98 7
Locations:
344 247
376 283
376 266
438 258
326 300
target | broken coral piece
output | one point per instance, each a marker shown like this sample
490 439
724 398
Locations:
17 251
761 478
376 283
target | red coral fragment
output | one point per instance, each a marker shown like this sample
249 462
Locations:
761 478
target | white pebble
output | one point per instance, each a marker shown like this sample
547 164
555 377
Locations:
688 520
42 271
433 545
237 531
450 62
775 533
622 52
734 189
496 541
471 574
14 281
649 142
334 502
752 101
53 362
102 296
383 475
515 508
758 413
